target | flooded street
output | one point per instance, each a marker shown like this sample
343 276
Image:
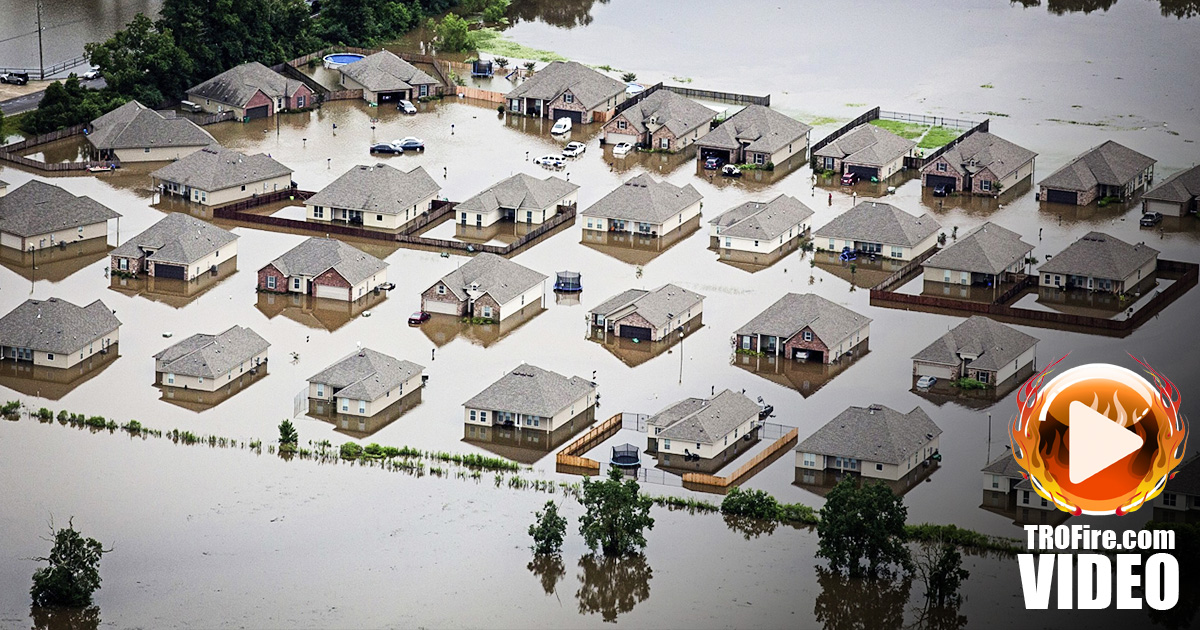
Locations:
226 538
67 24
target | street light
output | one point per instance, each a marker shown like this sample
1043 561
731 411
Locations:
680 331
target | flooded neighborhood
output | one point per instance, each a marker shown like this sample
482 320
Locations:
756 267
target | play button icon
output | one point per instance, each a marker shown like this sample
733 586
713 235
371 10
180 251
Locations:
1096 442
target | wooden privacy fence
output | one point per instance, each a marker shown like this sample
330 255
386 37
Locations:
11 152
232 210
342 95
868 116
746 470
569 457
713 95
479 94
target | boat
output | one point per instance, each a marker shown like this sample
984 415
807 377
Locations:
100 168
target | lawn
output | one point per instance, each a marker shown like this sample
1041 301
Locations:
492 41
927 137
910 131
937 137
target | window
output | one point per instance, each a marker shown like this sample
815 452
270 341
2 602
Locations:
941 167
49 356
810 460
472 415
831 245
320 390
123 263
808 335
756 243
362 406
299 101
589 224
666 445
170 379
1169 499
441 290
728 242
345 405
379 217
270 282
199 379
318 212
758 158
483 416
296 283
995 481
568 98
243 187
487 311
664 143
897 252
745 342
621 124
147 149
878 466
985 184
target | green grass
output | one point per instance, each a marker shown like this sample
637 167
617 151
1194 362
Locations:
856 104
910 131
987 86
823 120
490 40
937 137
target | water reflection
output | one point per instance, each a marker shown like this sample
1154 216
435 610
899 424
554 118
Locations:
559 13
753 262
634 352
805 377
549 570
198 401
173 292
1060 7
526 446
861 273
860 604
314 312
53 383
1180 8
612 586
442 329
637 249
750 528
360 427
54 263
820 482
49 618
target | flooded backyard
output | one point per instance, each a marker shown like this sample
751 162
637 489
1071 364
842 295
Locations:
226 537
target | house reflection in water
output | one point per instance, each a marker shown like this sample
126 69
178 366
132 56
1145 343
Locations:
634 352
754 262
360 427
170 291
442 329
862 272
805 377
314 312
200 401
53 383
55 263
1006 492
526 446
634 248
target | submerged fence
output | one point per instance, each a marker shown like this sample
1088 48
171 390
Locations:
711 483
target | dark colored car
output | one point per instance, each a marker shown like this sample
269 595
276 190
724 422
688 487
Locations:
939 190
1151 219
849 179
713 163
418 318
14 78
410 144
385 147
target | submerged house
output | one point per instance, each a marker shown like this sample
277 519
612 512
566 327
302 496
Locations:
881 229
644 206
532 399
1109 170
56 333
755 135
521 198
987 255
136 133
804 327
1099 262
386 78
702 430
207 362
761 227
980 164
251 91
36 215
1176 196
324 268
567 89
365 382
662 120
647 315
876 442
869 151
979 348
214 176
378 196
488 287
179 246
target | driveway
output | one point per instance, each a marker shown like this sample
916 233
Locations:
22 98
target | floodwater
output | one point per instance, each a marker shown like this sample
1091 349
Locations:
226 538
67 25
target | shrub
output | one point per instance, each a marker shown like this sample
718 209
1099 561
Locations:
548 530
351 450
73 573
751 503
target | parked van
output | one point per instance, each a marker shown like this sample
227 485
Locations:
189 106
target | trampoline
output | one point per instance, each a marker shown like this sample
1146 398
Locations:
626 456
568 281
337 60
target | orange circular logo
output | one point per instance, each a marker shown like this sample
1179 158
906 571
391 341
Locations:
1098 438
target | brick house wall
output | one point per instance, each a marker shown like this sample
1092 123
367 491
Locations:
280 280
633 319
304 92
431 295
486 300
1083 198
797 342
979 178
753 342
258 100
931 169
331 278
612 127
135 264
672 141
575 106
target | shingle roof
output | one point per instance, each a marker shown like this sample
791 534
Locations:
994 344
877 222
988 248
385 72
495 275
872 434
982 150
1186 479
1005 466
177 239
519 192
658 307
758 128
676 412
55 325
237 85
794 312
36 207
589 87
867 144
665 108
210 356
1100 256
217 168
1109 164
317 255
711 421
642 199
135 126
764 221
529 389
1179 188
378 189
366 374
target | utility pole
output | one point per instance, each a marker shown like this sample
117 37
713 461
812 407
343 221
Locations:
41 57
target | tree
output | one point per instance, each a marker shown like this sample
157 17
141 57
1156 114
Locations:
220 34
750 503
529 65
548 530
67 103
288 436
862 522
629 77
365 22
73 573
143 62
939 565
496 11
616 515
454 35
501 62
612 586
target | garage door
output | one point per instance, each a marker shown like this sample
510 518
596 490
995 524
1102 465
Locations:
706 153
576 117
445 308
812 356
333 293
635 332
928 369
170 271
1062 196
1165 207
940 180
863 172
256 112
614 138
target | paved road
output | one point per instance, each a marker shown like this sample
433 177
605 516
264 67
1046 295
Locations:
30 101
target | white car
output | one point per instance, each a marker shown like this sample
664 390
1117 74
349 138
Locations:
561 126
574 149
621 148
925 382
551 161
93 73
407 107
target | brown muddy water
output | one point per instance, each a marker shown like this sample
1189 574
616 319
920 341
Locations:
211 537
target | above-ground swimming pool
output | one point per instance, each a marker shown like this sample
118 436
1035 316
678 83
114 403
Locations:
340 59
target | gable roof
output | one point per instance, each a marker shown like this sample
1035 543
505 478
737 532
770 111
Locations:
988 248
55 325
379 189
237 85
665 108
1006 466
589 87
658 307
644 200
759 128
177 238
1186 479
763 221
1180 187
1110 164
210 356
217 168
495 275
872 434
1099 255
878 222
35 208
794 312
708 422
529 389
316 255
867 144
982 150
994 344
135 126
386 72
519 192
366 374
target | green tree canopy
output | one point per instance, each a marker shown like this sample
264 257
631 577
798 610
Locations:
67 103
73 573
862 522
616 515
454 35
143 62
365 22
548 530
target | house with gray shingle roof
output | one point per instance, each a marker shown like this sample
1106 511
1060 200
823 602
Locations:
378 196
532 399
56 333
179 246
1108 170
876 442
867 150
706 431
644 206
3 187
1176 196
486 287
1002 474
987 255
215 176
647 315
761 227
755 135
521 198
36 215
805 327
1100 262
1180 500
661 120
365 382
981 164
324 268
207 362
566 89
979 348
874 227
386 78
136 133
251 91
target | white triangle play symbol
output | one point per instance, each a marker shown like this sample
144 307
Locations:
1096 442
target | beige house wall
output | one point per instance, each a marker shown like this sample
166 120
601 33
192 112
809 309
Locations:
50 239
703 449
208 384
155 154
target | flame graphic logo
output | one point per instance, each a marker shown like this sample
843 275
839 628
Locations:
1149 409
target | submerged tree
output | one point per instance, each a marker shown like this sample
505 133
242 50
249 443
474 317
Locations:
73 573
288 437
862 523
454 35
548 530
939 565
616 515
